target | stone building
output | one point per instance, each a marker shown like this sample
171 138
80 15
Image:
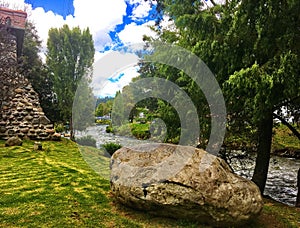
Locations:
15 21
21 113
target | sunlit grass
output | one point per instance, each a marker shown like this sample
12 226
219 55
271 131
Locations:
67 186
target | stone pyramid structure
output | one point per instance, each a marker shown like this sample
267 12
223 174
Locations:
21 113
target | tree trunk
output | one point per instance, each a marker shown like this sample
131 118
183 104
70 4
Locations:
72 136
298 195
263 151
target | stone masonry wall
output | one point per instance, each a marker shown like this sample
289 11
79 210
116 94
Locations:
23 116
21 113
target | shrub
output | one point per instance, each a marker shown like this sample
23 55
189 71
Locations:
140 130
109 129
86 141
111 147
103 122
124 130
59 127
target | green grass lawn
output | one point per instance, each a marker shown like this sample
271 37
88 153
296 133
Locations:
57 187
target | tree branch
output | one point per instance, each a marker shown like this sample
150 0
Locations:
213 2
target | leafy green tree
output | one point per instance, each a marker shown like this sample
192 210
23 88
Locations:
269 75
32 67
70 56
104 108
253 49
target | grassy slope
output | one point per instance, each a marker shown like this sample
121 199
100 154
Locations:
57 188
283 138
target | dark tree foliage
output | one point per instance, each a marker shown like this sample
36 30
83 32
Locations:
253 49
32 67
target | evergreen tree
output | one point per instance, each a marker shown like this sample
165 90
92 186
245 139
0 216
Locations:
253 49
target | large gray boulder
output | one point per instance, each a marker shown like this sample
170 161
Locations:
183 182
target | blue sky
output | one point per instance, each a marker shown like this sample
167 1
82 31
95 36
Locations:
110 21
113 23
63 8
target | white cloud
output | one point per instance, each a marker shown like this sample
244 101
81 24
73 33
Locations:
134 33
168 24
141 10
44 21
110 88
99 15
111 65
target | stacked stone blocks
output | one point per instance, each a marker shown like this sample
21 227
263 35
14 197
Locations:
21 113
23 116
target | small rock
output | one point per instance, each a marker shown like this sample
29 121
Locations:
24 130
10 132
49 126
43 135
37 146
29 108
2 123
19 90
56 137
2 129
32 136
35 121
28 118
13 141
50 131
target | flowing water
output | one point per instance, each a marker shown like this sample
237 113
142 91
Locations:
282 176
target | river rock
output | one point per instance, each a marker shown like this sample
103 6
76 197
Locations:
183 182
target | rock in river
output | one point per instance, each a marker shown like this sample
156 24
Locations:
183 182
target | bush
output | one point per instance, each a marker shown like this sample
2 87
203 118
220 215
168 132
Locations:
109 129
103 122
86 141
124 130
140 130
111 147
59 127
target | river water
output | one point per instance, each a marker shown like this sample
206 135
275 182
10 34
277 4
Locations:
282 176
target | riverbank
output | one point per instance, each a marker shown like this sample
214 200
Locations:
284 143
56 187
